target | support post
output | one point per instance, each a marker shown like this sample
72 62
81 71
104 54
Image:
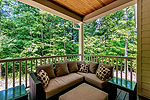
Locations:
81 41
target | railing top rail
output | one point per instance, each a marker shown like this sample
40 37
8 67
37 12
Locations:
34 58
44 57
111 56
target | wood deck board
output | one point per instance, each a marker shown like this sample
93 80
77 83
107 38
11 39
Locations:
122 95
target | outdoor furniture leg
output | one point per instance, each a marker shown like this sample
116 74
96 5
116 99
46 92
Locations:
132 96
112 92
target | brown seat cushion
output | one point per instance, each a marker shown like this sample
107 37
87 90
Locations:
48 69
59 84
72 65
61 69
94 80
84 92
109 67
93 67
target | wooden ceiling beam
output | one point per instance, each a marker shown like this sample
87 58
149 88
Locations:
115 6
101 2
50 7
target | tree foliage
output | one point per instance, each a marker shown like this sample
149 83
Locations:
29 32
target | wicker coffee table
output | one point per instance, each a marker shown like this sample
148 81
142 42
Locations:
84 92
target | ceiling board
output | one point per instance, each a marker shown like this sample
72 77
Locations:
110 8
82 7
80 10
52 8
106 2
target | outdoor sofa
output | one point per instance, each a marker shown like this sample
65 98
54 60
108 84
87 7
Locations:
64 79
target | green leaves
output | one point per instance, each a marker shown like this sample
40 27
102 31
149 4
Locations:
107 35
31 32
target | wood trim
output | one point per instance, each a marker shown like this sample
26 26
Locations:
54 9
101 2
110 56
26 69
13 74
20 65
81 41
23 59
6 75
115 6
139 45
145 93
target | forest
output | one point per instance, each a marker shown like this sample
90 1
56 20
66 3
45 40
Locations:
26 31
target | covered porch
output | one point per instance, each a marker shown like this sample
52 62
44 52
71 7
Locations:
123 66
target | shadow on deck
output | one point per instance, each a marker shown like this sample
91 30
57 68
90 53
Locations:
122 95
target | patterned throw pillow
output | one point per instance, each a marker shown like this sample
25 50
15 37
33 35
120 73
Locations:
103 73
43 76
84 68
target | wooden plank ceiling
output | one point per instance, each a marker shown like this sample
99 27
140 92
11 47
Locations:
82 7
80 10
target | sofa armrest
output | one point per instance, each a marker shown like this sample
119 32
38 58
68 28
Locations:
36 88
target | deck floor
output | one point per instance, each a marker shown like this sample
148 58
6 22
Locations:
121 95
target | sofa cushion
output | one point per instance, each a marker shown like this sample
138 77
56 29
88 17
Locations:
72 66
84 68
79 63
93 67
94 80
48 69
59 84
43 77
61 68
103 73
109 67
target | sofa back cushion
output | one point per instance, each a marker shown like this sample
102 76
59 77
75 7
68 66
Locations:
109 67
79 63
93 67
61 68
103 73
84 68
72 66
44 78
48 69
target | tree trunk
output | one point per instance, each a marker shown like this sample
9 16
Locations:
42 37
0 69
126 44
126 54
0 34
98 21
104 42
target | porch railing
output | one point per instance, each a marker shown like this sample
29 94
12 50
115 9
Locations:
124 67
30 65
121 65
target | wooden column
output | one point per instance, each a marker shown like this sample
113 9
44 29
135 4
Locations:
143 51
81 41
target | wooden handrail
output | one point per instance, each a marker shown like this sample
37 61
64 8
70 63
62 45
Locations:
32 58
119 63
111 56
30 64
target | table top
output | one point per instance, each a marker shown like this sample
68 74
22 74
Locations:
13 93
123 83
